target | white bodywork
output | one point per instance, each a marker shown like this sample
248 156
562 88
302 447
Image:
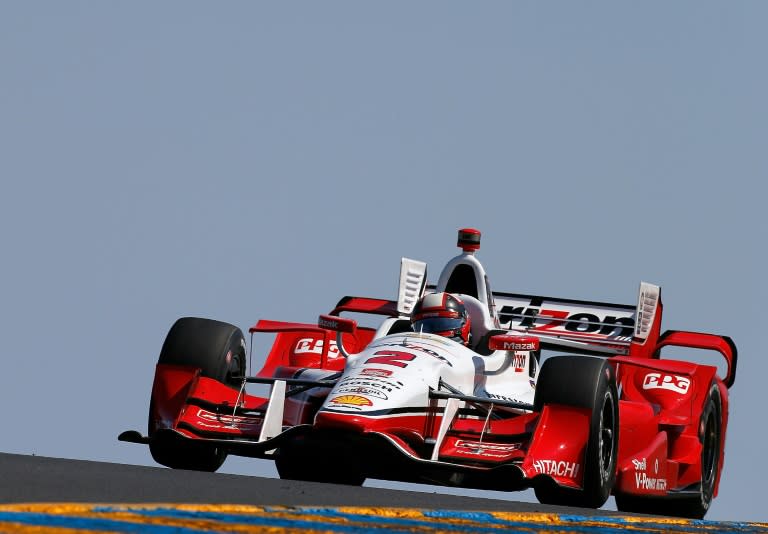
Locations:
397 372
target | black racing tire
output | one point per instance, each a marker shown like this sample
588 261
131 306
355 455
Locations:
218 350
689 507
298 463
583 382
176 452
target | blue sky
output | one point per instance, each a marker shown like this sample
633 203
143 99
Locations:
260 160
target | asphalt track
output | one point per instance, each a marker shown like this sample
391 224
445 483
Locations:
34 479
58 495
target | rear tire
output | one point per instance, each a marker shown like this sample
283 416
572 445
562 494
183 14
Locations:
584 382
218 350
693 507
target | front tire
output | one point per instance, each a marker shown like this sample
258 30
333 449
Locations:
218 350
584 382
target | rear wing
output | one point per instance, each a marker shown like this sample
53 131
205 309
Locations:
571 325
605 329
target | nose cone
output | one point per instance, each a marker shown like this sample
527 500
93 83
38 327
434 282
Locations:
341 421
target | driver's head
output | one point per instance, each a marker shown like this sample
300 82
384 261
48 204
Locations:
442 314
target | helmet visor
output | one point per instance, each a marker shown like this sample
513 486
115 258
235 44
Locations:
433 325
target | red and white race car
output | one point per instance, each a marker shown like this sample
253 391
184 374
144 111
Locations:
349 403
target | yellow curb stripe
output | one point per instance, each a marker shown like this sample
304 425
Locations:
161 518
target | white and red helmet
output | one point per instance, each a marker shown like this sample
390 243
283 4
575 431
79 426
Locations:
443 314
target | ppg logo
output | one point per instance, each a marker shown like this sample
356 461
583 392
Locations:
678 384
310 345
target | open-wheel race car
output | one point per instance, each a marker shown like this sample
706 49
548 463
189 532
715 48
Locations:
493 410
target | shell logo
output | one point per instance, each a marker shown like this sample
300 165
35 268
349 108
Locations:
354 400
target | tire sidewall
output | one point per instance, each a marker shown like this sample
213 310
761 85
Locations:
584 382
599 472
713 409
216 347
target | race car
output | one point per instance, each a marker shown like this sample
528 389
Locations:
605 414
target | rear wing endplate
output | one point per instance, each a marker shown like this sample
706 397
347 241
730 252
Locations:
647 305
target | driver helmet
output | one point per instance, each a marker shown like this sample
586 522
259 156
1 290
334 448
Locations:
442 314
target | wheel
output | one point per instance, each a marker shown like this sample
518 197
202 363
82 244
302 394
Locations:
296 463
584 382
218 349
180 453
710 432
711 421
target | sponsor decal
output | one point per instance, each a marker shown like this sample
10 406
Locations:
371 382
328 324
213 420
640 465
352 400
535 317
376 372
560 469
309 345
362 390
678 384
489 450
643 481
518 346
519 360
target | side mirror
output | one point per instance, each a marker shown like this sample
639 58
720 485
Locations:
513 343
337 324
